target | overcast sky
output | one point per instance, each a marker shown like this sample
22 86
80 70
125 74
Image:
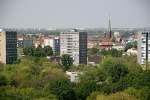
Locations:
74 13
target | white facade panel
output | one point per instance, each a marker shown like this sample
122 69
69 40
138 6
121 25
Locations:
69 44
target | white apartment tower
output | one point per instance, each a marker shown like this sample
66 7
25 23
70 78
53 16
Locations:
74 43
143 47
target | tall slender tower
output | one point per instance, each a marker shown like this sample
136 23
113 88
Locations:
109 28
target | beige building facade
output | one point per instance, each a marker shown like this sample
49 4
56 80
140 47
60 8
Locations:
8 46
2 47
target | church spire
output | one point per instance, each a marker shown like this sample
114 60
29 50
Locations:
109 28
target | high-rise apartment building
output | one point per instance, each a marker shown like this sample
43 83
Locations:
74 43
143 47
57 45
8 46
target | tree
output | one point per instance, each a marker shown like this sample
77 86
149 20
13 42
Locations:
66 61
117 72
93 51
131 63
62 88
48 50
3 80
114 69
93 95
111 52
28 51
115 53
11 93
1 66
85 89
93 73
131 45
142 80
116 96
38 52
141 94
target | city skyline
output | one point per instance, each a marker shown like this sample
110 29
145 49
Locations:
74 13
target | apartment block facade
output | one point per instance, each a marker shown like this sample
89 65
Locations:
74 43
57 45
143 47
8 46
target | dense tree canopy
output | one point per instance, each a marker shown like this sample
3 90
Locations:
36 78
111 52
39 51
26 80
93 51
66 61
116 96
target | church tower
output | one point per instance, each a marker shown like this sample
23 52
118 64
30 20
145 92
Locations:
109 29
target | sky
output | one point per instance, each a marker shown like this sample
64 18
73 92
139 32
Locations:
74 13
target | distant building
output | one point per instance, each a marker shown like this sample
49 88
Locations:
94 59
93 42
74 76
132 51
23 43
38 42
48 42
20 42
27 43
106 45
57 45
107 41
55 59
8 46
116 34
144 47
53 42
74 43
118 46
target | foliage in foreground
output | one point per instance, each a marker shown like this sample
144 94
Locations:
36 78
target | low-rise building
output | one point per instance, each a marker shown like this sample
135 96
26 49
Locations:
48 41
92 42
118 46
132 51
53 42
23 43
106 45
94 59
73 76
116 34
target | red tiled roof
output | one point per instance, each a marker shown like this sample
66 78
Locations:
106 43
